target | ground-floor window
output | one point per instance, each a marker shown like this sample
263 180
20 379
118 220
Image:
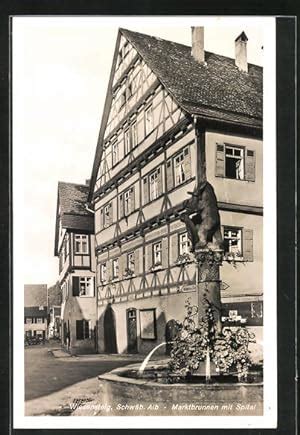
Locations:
83 329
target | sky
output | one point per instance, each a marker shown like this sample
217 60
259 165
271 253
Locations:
60 72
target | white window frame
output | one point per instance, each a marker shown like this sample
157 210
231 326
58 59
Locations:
233 249
127 202
184 243
236 153
153 185
103 272
115 152
86 287
127 141
131 261
180 176
149 124
81 240
107 214
157 253
134 137
115 268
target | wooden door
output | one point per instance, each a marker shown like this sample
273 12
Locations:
131 331
110 339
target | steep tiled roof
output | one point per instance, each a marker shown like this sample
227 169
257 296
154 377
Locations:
35 312
35 295
217 89
72 198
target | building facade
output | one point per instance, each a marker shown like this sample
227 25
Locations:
74 246
174 116
35 311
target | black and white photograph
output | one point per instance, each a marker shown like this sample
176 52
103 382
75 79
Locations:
144 221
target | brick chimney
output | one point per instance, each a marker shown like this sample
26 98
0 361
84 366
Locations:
198 44
241 52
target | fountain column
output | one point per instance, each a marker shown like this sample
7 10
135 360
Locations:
208 282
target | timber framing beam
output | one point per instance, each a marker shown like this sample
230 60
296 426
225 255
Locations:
169 216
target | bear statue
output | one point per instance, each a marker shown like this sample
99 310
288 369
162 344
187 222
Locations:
202 218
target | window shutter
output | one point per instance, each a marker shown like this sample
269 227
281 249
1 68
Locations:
110 214
187 163
146 190
137 261
159 180
79 329
75 285
149 260
109 270
164 251
93 287
170 177
121 206
250 165
132 199
247 245
220 160
122 265
101 219
174 248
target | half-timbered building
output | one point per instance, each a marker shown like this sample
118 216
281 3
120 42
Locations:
174 115
74 246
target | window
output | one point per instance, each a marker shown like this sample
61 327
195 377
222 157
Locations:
153 184
81 244
148 324
123 53
233 241
180 175
83 329
127 141
234 162
28 320
184 244
126 202
130 262
103 276
148 120
107 215
39 320
134 138
157 259
130 138
83 286
122 99
115 153
86 286
115 268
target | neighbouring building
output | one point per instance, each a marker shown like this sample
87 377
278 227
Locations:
54 311
35 311
74 246
173 115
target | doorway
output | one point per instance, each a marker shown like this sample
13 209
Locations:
131 331
110 339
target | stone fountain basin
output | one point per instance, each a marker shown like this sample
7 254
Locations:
144 397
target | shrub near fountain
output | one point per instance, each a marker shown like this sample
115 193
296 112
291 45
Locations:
208 374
